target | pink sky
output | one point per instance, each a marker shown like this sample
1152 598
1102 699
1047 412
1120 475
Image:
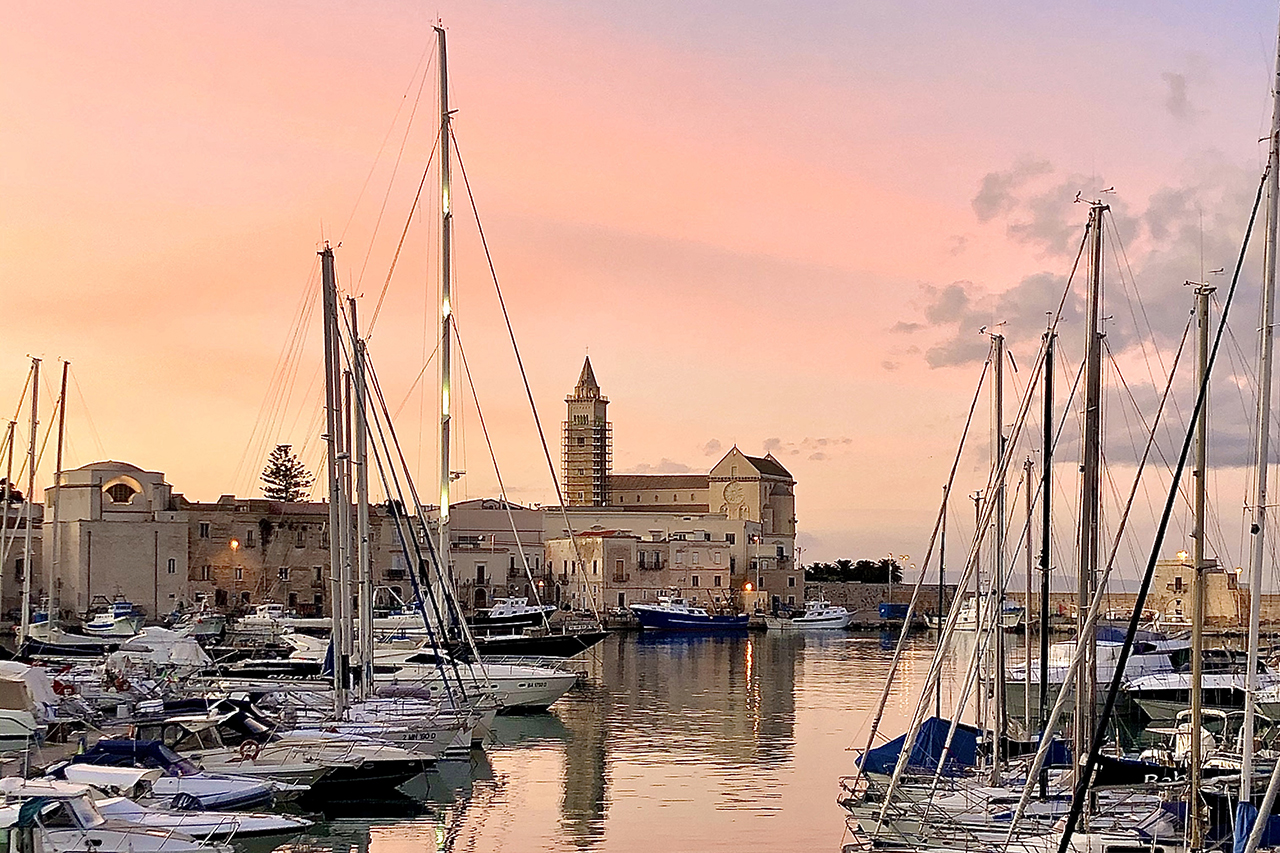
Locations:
731 206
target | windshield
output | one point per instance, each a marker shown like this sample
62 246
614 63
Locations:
86 812
177 765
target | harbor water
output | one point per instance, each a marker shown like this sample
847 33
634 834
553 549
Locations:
673 743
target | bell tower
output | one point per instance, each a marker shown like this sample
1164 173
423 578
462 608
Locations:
587 453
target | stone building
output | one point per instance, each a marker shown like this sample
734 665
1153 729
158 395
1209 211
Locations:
13 566
120 534
488 557
746 504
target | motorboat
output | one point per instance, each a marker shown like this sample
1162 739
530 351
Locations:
1163 695
1152 654
677 614
818 614
233 736
181 777
28 703
125 786
70 820
510 614
967 618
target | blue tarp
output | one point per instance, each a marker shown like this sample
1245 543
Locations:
893 611
1246 816
930 741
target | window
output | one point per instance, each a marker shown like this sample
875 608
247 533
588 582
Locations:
319 570
694 580
172 566
318 598
293 599
300 539
595 567
284 573
715 557
791 599
18 566
244 597
248 538
324 538
781 552
480 574
204 573
679 557
693 558
204 530
121 493
622 600
730 538
239 573
582 496
791 581
655 498
1177 583
716 580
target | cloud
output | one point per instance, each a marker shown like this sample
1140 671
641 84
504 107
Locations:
712 448
890 365
772 445
902 327
664 466
996 195
1175 99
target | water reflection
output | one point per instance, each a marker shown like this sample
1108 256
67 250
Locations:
674 743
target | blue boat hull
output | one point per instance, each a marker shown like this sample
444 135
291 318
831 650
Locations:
656 621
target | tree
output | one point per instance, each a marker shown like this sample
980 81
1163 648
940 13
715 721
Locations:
847 571
285 478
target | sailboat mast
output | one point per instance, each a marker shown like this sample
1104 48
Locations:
979 706
57 484
1026 610
31 488
994 621
942 589
344 529
333 423
363 561
446 308
6 536
1195 827
1046 529
1265 353
1090 489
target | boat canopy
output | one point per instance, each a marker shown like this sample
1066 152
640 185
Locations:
930 740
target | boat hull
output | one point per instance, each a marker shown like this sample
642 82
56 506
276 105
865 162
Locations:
657 620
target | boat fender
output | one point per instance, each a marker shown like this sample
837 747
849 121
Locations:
249 750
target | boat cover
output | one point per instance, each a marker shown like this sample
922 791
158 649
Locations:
929 744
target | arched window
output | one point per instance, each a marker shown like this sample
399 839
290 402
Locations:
121 493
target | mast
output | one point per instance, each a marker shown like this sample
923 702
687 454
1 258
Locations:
361 457
31 486
942 589
979 710
1026 610
1195 838
446 309
1046 499
345 525
333 423
1258 528
57 484
6 536
999 715
1090 490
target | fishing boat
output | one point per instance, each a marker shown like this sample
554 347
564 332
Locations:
819 614
121 619
677 614
508 614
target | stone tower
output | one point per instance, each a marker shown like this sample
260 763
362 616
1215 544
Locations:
588 443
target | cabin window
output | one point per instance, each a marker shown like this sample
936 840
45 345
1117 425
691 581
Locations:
172 566
204 530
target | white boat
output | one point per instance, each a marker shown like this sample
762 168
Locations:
1148 657
28 704
1163 695
271 618
124 786
967 619
71 821
819 614
432 674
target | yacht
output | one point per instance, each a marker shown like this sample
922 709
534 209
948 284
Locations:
510 614
817 614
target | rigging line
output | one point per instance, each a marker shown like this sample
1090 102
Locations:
93 429
391 181
416 380
408 220
524 376
1046 739
427 53
946 492
502 489
1099 735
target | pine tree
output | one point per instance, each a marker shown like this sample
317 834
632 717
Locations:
285 478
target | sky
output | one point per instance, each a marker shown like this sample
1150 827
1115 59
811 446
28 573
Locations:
775 225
